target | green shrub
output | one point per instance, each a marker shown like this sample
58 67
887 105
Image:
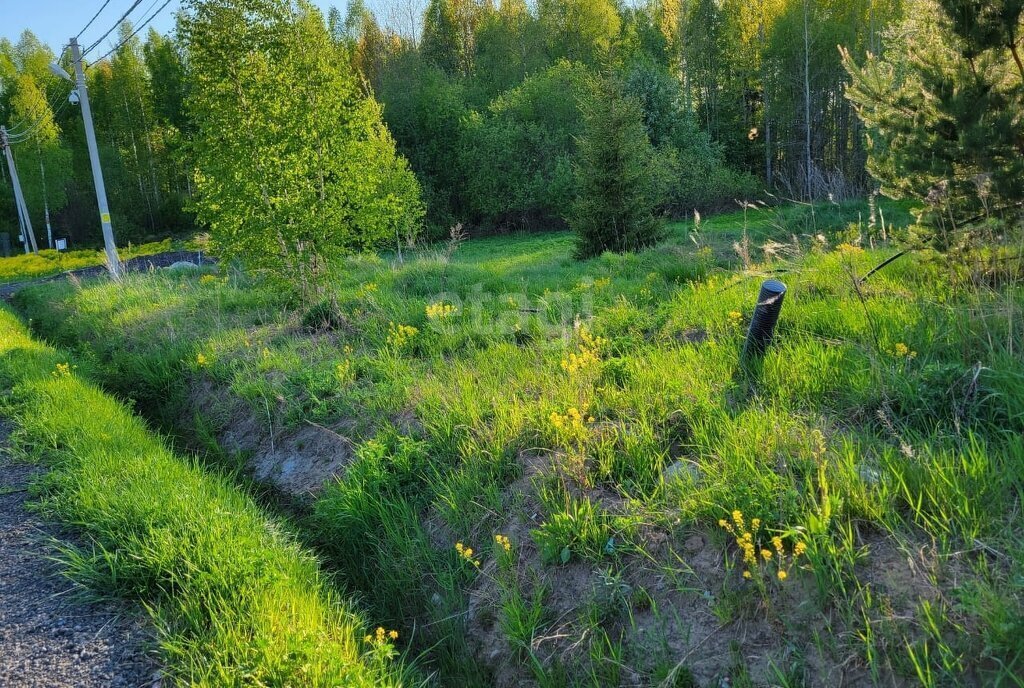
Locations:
518 155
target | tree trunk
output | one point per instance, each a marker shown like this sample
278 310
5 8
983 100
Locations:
807 98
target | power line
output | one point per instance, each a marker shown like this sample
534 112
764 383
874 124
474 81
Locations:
118 23
86 27
24 135
22 129
139 28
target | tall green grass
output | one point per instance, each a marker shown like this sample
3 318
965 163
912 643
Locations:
886 417
235 600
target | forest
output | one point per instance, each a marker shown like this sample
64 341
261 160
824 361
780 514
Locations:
741 101
548 343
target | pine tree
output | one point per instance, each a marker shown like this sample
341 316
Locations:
620 177
943 112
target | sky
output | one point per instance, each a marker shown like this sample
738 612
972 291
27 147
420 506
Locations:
54 21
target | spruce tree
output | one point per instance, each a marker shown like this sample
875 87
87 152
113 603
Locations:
620 177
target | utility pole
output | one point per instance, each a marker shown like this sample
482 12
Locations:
113 261
19 199
21 227
807 100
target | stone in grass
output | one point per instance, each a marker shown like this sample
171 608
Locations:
182 265
869 475
680 470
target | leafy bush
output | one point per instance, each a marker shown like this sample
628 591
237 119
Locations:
294 167
424 109
699 177
518 156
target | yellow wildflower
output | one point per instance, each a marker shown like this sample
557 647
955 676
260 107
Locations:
441 310
466 553
201 360
366 289
901 350
400 335
393 635
589 353
782 574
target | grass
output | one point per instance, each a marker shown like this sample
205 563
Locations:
48 262
235 600
597 414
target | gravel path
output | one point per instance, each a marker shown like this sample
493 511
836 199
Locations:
47 637
140 264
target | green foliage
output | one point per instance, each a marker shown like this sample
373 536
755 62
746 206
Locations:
942 110
699 175
750 93
43 163
579 30
518 156
424 109
448 34
509 47
620 178
294 166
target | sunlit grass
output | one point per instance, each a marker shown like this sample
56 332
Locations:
602 406
235 600
29 266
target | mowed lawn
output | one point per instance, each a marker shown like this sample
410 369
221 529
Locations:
542 471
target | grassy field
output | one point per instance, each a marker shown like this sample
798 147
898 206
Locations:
234 599
47 262
558 473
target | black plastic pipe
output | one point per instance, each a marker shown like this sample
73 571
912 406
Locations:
766 315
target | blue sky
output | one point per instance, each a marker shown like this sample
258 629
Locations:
54 21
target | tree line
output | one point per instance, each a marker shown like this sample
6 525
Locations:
738 96
484 99
141 130
347 129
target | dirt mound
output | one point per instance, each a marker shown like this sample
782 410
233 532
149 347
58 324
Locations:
297 463
301 462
